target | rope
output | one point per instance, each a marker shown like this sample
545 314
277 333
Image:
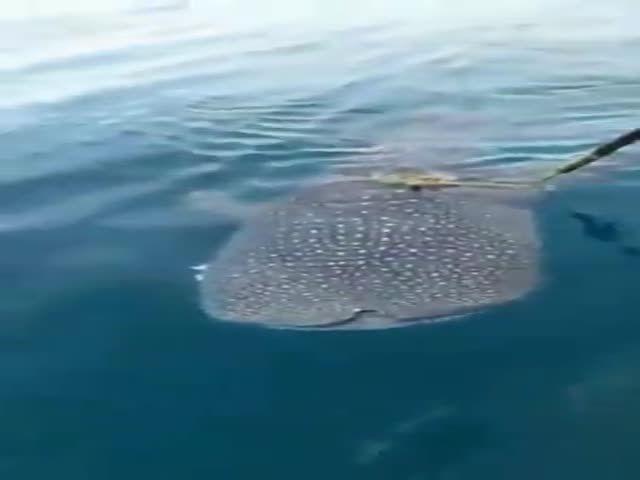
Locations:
417 180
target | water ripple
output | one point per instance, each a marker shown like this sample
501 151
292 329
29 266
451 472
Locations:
133 147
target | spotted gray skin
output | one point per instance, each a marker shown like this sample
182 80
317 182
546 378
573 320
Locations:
358 254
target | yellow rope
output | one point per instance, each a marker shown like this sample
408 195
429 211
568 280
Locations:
417 179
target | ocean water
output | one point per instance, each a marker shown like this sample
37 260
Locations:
135 143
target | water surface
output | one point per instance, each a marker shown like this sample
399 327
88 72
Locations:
135 145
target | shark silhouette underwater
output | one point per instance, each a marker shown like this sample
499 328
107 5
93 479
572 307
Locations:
385 251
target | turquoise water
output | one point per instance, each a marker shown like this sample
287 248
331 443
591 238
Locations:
133 146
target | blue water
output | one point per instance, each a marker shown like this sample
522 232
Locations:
134 145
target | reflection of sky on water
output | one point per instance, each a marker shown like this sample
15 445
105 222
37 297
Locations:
55 51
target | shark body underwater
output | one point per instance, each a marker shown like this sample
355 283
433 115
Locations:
368 254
